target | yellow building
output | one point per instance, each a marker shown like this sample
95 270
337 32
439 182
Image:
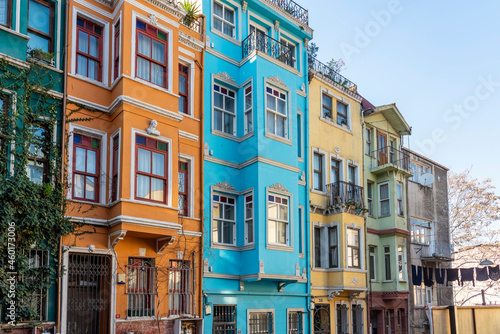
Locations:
338 268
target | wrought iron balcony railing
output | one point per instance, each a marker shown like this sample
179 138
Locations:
331 74
294 9
271 47
390 156
343 193
196 25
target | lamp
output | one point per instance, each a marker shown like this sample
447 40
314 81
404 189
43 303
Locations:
486 262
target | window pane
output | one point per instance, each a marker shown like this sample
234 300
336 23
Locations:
39 17
83 42
82 65
227 232
228 30
159 51
34 172
218 120
143 68
282 107
228 123
229 104
157 189
270 122
217 24
218 100
218 9
282 233
273 211
90 188
384 208
229 212
229 15
93 69
3 12
384 191
144 45
91 161
78 186
271 102
182 182
38 42
144 161
283 212
80 159
272 231
182 84
158 164
157 72
280 126
94 46
142 186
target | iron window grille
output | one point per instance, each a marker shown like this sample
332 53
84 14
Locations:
357 319
295 323
322 319
342 319
36 301
224 319
180 287
141 287
260 323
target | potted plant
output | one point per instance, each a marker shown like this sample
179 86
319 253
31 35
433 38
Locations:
192 12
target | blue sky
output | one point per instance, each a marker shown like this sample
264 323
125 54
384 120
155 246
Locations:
439 61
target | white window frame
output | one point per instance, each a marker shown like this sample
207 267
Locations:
247 230
323 180
369 198
287 130
249 110
289 236
354 165
362 318
335 99
342 171
385 264
419 224
341 303
418 169
294 310
402 213
235 230
114 51
191 77
380 199
143 133
374 256
235 118
301 142
402 273
421 295
288 223
325 246
223 20
117 133
169 51
190 161
263 310
291 41
361 247
105 46
102 136
301 231
368 141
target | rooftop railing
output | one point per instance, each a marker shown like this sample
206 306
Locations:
267 45
331 74
294 9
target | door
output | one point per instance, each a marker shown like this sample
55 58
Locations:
89 290
382 148
260 38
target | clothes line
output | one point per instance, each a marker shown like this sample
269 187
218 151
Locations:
421 274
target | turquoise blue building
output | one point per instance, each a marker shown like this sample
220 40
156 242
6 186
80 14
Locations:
256 248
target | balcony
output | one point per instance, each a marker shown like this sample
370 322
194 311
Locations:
390 159
327 72
344 195
262 43
434 252
196 25
294 9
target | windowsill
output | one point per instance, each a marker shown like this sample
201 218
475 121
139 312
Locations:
279 247
88 202
344 128
278 138
189 116
9 30
402 216
319 192
225 135
248 247
226 37
388 281
136 201
384 216
44 64
91 81
225 247
403 281
152 85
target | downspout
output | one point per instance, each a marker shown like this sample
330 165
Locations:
201 103
63 146
307 223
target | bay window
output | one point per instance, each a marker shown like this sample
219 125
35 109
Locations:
224 110
276 112
383 195
183 88
151 169
223 219
353 248
89 49
86 151
151 54
40 25
277 219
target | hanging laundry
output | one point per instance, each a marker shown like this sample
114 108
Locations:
482 274
451 275
494 272
440 275
428 281
416 275
467 275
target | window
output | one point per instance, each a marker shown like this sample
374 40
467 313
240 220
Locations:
383 195
401 263
373 263
40 25
248 109
224 19
37 167
224 110
261 323
249 219
301 232
392 151
276 112
369 196
342 318
387 257
141 287
351 174
299 135
151 54
151 169
342 114
183 188
318 172
327 106
400 204
421 231
317 247
333 256
180 290
114 172
224 319
321 319
292 47
353 248
335 171
422 295
357 318
369 142
86 151
223 220
116 61
295 322
36 300
183 88
277 211
418 170
5 12
89 50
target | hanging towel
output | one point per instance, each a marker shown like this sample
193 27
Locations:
416 275
467 275
428 281
482 274
440 275
494 273
451 275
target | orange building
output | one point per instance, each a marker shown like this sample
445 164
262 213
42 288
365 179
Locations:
134 162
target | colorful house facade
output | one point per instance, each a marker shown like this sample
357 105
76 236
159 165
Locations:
134 124
337 223
256 242
386 169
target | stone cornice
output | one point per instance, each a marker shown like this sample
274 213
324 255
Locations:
190 41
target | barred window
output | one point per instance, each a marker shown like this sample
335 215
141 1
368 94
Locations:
35 304
141 289
224 319
357 319
260 323
342 319
322 319
295 322
180 287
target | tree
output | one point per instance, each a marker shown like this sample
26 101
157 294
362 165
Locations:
473 207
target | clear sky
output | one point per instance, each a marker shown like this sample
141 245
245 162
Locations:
439 61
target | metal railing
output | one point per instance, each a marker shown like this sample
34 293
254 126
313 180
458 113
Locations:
180 289
331 74
389 155
434 250
269 46
141 290
196 25
344 192
260 323
294 9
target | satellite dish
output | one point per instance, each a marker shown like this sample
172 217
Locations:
426 179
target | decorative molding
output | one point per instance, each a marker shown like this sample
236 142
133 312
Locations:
225 186
151 130
115 237
205 265
261 267
190 41
306 43
169 6
389 231
188 135
276 25
250 162
337 150
153 20
303 176
189 233
301 93
162 243
277 80
279 187
303 87
244 6
224 76
297 269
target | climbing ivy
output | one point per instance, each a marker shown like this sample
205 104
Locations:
36 210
